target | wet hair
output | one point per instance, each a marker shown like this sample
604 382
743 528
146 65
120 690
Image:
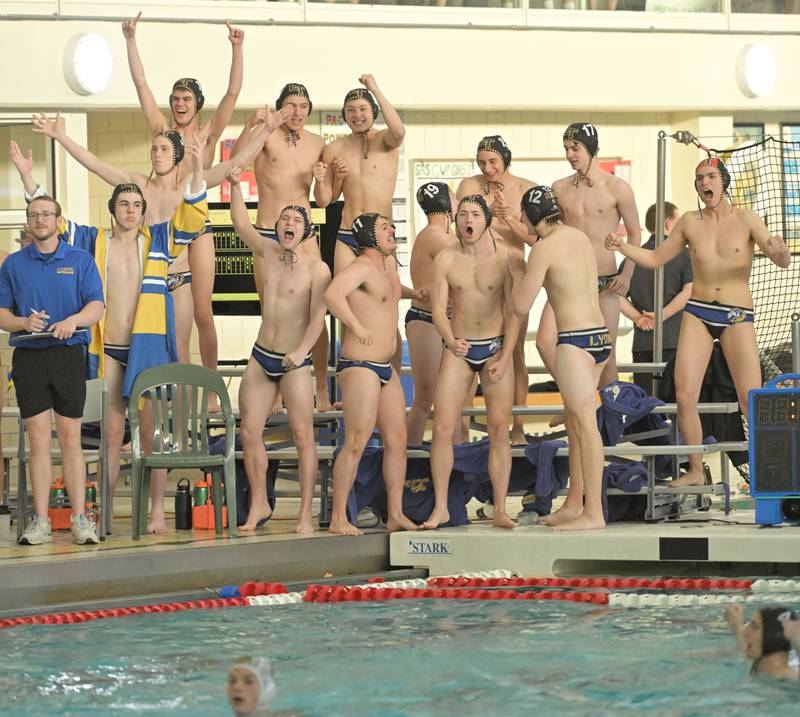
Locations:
122 189
495 143
773 640
293 89
670 210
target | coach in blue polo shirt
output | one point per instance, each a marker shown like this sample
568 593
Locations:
49 291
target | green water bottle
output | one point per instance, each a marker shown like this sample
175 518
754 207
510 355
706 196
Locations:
91 493
200 493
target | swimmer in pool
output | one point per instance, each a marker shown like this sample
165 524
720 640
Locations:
251 687
563 262
763 639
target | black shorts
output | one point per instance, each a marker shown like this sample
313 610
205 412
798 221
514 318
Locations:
52 377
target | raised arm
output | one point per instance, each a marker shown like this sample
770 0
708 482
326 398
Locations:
774 247
527 280
651 258
54 128
254 123
155 120
344 284
241 219
511 217
322 186
219 120
395 130
24 166
320 280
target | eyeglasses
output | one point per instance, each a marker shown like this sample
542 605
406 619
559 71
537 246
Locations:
40 215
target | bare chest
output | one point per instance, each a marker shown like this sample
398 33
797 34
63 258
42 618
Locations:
469 274
725 241
582 205
161 203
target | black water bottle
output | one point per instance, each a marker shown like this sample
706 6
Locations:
183 506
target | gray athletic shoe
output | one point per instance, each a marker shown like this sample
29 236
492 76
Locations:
37 532
83 531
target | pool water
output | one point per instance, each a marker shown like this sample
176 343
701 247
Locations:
424 658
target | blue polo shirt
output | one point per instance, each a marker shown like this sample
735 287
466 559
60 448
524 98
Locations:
60 284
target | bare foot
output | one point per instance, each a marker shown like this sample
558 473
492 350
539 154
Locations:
436 518
562 515
336 406
400 522
257 515
583 522
503 520
213 403
688 479
305 525
342 526
518 438
157 524
323 403
557 420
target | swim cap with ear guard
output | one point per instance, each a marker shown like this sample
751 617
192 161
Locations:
481 202
293 89
359 93
434 198
308 227
539 203
193 86
583 133
495 143
122 189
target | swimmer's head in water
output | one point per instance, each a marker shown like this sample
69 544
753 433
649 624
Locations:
581 135
711 182
473 219
186 100
492 144
250 686
436 198
127 205
773 639
539 204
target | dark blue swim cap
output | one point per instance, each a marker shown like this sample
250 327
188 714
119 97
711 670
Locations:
359 93
193 86
293 89
495 143
308 227
434 198
584 133
539 203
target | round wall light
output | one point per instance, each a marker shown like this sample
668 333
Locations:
87 63
756 70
